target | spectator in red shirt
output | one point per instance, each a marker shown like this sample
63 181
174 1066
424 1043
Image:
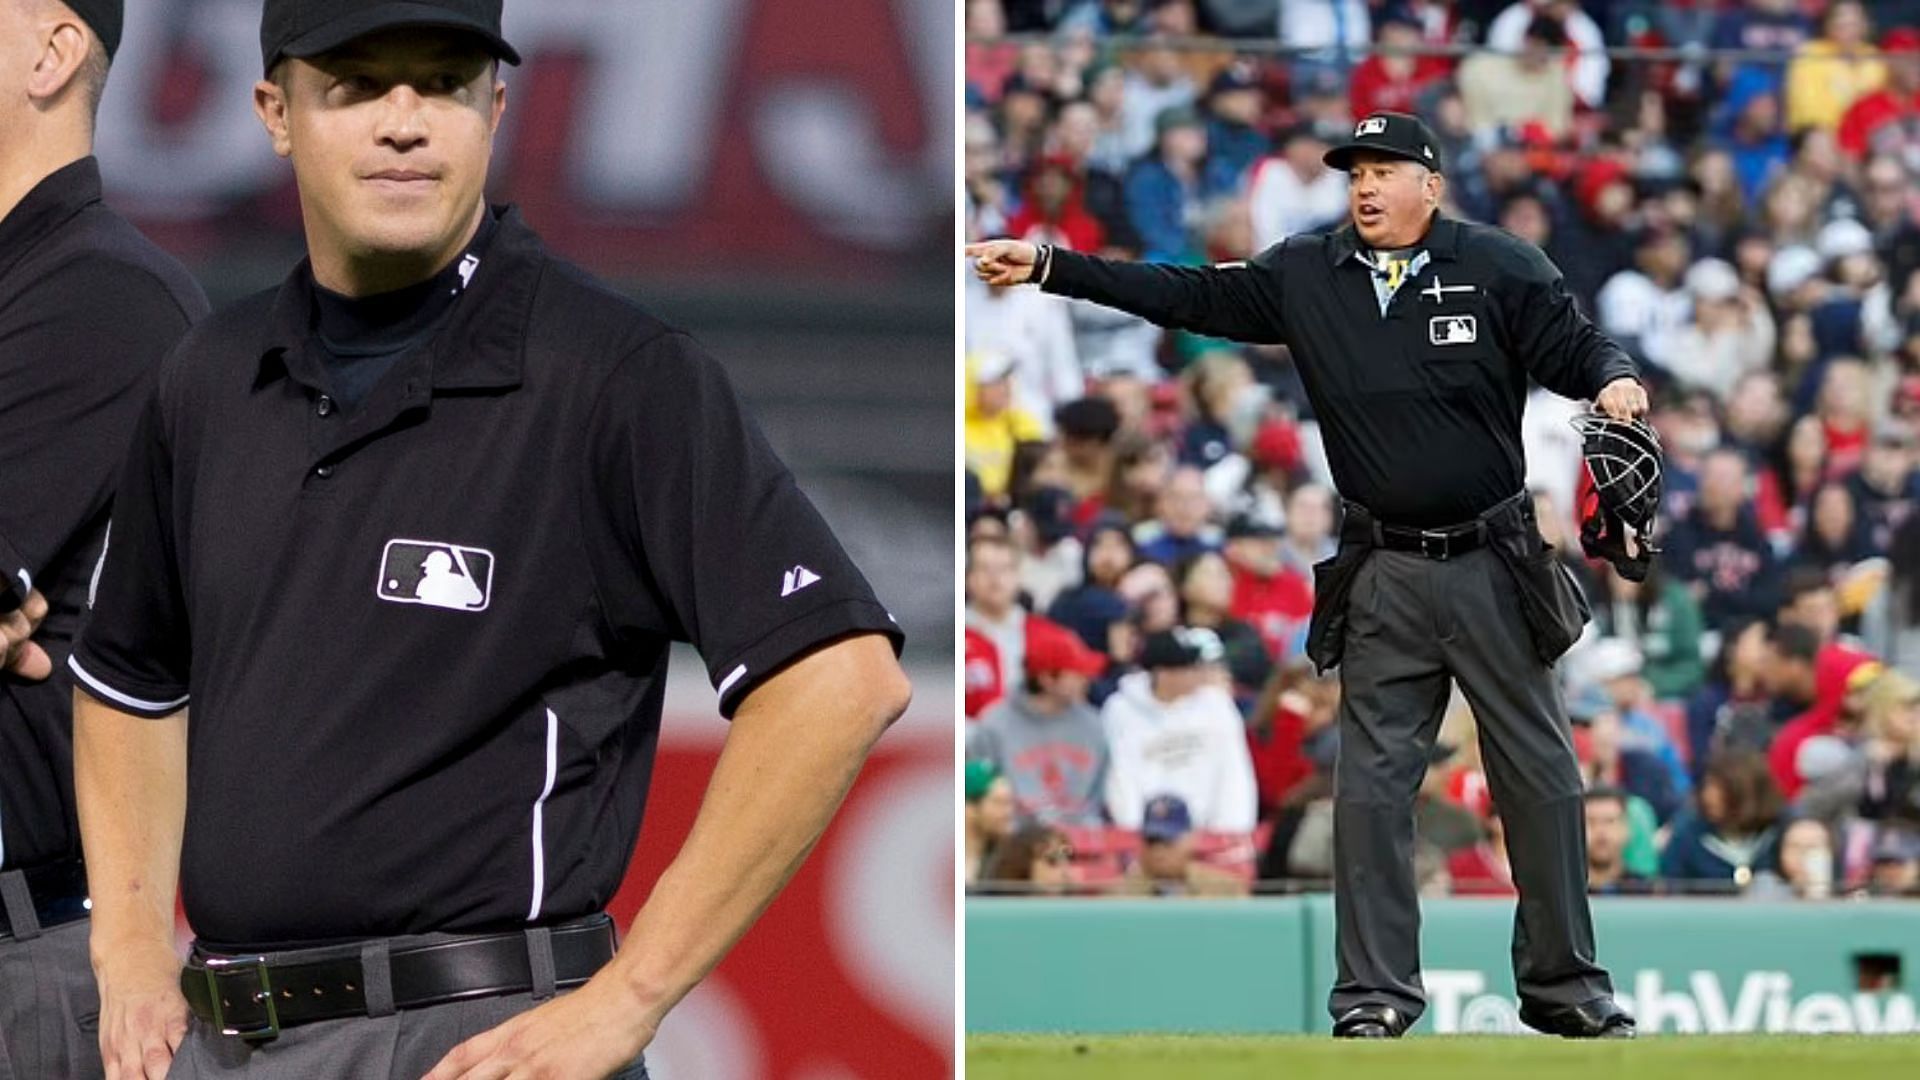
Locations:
1274 599
1290 735
1838 671
1887 121
1055 210
1482 870
1389 81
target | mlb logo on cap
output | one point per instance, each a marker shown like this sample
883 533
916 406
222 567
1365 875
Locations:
1389 134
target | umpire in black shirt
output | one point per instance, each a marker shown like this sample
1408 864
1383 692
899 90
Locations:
88 307
1416 336
411 533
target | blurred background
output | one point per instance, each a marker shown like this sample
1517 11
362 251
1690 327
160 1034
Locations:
1728 186
774 176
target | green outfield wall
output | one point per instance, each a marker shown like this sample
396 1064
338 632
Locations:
1264 965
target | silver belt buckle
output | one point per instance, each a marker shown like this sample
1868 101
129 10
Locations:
1429 538
218 966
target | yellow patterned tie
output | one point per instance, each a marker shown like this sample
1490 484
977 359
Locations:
1396 269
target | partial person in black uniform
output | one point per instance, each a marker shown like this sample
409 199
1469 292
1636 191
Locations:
1416 336
88 307
412 532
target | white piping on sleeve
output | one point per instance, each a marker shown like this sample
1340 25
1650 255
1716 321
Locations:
119 698
733 676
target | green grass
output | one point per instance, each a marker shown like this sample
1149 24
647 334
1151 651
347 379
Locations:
1449 1057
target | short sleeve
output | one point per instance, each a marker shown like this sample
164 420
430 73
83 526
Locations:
697 531
133 653
71 383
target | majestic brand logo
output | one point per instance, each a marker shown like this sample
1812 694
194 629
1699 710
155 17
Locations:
796 579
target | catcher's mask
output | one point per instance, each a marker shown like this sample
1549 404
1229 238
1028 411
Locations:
1623 458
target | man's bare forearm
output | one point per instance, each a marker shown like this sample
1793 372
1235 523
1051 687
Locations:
130 780
794 749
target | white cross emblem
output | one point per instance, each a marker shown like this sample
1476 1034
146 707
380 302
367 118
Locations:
1438 292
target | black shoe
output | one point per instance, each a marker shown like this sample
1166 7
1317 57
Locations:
1600 1018
1370 1022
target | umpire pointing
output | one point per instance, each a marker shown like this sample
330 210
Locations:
1415 336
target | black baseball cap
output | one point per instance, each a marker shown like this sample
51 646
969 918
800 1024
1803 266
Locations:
105 17
1182 646
303 28
1394 134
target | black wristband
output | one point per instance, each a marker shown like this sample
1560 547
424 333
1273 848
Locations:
1042 264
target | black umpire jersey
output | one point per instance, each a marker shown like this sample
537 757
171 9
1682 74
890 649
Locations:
1421 406
425 640
88 307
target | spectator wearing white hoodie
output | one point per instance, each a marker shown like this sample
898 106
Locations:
1173 730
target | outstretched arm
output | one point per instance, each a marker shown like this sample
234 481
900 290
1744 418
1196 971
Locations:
1238 300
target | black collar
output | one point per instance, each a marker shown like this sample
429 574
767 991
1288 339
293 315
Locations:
52 203
1441 242
482 346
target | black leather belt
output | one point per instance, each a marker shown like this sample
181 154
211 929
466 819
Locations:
58 892
254 997
1439 544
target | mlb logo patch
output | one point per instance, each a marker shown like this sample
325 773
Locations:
435 574
1453 330
1372 125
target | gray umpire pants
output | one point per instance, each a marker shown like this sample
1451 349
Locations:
49 1008
396 1045
1412 623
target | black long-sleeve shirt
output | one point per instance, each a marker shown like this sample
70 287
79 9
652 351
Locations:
1421 407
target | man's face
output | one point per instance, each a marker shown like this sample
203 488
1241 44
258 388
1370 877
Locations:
1887 464
389 137
1109 557
1816 609
1184 143
1310 515
992 579
1067 686
993 814
1183 505
1526 219
1167 860
25 28
1174 683
1051 188
1886 188
1076 130
1723 484
1238 106
1606 833
1667 259
1391 199
1259 554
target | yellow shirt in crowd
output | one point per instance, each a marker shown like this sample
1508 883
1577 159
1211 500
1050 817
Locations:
1821 83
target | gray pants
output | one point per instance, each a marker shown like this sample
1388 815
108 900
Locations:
400 1045
49 1008
1412 623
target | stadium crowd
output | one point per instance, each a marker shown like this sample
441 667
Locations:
1145 508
